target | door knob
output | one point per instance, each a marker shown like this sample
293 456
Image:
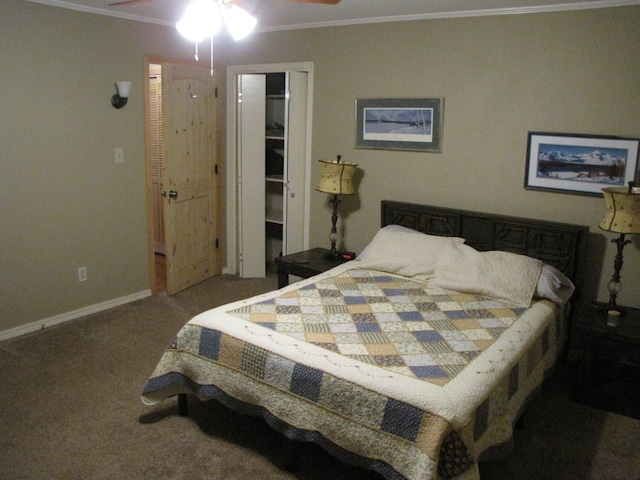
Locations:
172 194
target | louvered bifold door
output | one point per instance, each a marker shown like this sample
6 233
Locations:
157 161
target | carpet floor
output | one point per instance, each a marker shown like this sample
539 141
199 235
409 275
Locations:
70 409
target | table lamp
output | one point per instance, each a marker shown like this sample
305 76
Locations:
336 179
623 217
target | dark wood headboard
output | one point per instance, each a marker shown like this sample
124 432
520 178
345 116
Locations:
559 244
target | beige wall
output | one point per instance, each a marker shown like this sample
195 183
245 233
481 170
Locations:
501 77
65 203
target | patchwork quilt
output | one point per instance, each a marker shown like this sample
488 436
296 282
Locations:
418 379
393 322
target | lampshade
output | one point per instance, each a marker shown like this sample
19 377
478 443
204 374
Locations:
336 177
123 89
623 210
240 23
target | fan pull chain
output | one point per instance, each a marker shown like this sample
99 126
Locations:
198 59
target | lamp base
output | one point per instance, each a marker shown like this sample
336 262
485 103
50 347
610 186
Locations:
614 286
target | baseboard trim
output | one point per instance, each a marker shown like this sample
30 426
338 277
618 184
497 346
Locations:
65 317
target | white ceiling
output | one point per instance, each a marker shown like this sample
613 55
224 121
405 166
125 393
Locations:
283 14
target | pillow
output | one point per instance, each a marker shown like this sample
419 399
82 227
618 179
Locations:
554 285
401 250
496 274
388 228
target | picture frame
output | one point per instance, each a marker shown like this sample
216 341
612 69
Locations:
412 124
579 164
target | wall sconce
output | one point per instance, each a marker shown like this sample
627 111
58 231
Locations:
119 100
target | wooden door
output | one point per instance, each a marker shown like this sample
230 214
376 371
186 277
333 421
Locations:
188 181
252 90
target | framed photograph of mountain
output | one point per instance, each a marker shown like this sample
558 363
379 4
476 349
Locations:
579 164
399 124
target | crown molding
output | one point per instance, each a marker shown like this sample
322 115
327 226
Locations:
361 21
102 11
465 13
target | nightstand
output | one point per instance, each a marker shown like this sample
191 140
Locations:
608 373
304 264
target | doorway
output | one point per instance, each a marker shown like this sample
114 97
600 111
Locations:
156 159
237 183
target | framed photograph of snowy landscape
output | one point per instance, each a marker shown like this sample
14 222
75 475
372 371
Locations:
399 124
580 164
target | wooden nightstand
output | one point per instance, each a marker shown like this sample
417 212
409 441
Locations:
608 373
304 264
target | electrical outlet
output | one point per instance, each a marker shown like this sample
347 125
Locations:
82 274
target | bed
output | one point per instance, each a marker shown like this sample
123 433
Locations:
414 361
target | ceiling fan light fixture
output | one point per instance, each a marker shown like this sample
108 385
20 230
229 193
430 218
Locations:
240 23
201 20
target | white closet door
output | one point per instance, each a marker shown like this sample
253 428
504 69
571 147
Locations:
251 170
296 162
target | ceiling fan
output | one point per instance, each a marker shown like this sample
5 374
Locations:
202 19
328 2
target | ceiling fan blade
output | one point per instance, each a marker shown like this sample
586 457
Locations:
328 2
129 2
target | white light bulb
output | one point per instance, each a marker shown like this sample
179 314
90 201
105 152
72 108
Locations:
240 23
201 20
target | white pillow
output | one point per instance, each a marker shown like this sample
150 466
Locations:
388 228
401 250
496 274
554 285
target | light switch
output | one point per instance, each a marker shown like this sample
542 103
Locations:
119 154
